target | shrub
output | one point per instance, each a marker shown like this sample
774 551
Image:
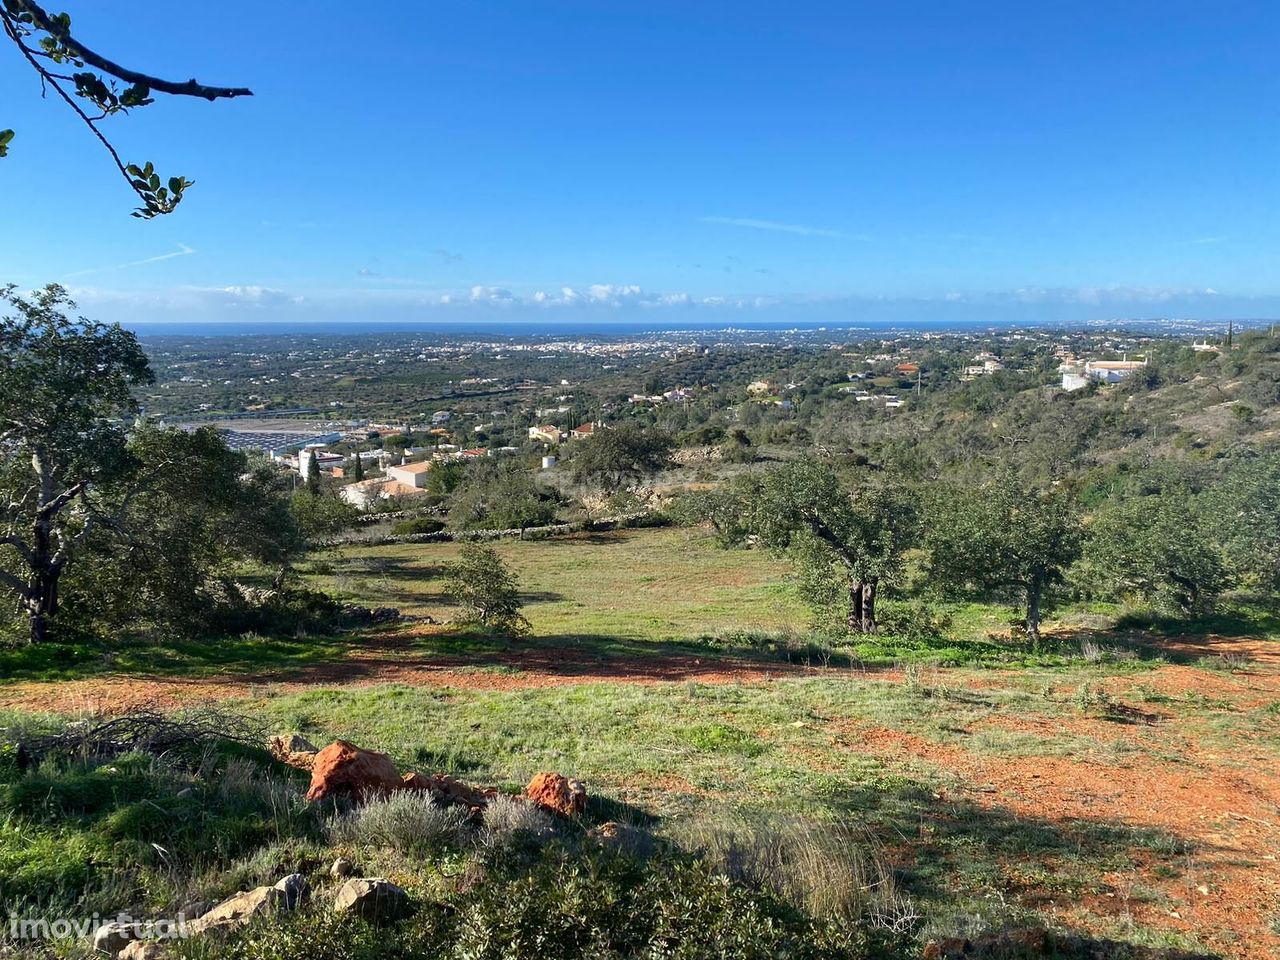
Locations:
828 869
512 823
417 525
485 589
914 621
406 821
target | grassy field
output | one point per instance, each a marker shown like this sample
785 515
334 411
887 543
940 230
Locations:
1121 784
651 585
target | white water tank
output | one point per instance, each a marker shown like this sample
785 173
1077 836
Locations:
548 463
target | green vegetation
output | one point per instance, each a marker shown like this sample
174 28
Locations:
485 591
866 676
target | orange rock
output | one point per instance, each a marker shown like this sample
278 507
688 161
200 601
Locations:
293 749
446 789
557 794
344 768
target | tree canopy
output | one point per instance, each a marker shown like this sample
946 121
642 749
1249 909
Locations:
64 396
620 456
847 540
1004 535
93 90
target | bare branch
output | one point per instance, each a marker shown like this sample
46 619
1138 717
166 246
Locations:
188 88
15 584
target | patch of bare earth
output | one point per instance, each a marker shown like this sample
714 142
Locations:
1224 804
392 659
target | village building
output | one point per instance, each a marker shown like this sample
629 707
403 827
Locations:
547 433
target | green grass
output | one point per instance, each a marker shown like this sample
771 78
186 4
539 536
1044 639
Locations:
655 592
789 746
647 585
171 656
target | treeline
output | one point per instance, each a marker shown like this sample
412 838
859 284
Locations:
111 523
1171 536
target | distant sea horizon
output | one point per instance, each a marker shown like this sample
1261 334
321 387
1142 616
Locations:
622 328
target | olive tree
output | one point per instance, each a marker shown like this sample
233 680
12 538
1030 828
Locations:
619 456
64 399
1245 508
1160 548
846 540
1004 537
485 589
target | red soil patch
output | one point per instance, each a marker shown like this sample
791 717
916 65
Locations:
391 659
1226 807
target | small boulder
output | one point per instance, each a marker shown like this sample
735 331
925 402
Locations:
342 867
239 909
375 899
295 889
623 837
111 938
446 789
293 749
141 950
194 910
557 794
344 768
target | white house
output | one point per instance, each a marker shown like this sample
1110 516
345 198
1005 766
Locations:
1112 371
546 432
410 474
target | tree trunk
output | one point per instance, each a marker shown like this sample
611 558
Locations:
1034 589
869 624
41 600
862 606
855 606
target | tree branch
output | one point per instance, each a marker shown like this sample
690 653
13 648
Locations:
16 585
828 536
188 88
50 79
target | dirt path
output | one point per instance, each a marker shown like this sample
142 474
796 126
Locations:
1223 801
508 671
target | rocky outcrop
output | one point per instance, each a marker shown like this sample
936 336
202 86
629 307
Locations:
141 950
111 938
342 768
293 749
622 837
557 794
342 867
295 889
357 616
446 790
375 899
239 909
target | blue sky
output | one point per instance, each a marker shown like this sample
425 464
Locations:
806 161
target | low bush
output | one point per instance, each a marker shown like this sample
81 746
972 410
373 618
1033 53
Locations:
913 621
407 821
573 904
831 870
512 824
416 525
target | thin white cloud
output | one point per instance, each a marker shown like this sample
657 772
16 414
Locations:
483 294
182 251
754 224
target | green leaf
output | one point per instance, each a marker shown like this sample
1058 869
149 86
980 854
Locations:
175 184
